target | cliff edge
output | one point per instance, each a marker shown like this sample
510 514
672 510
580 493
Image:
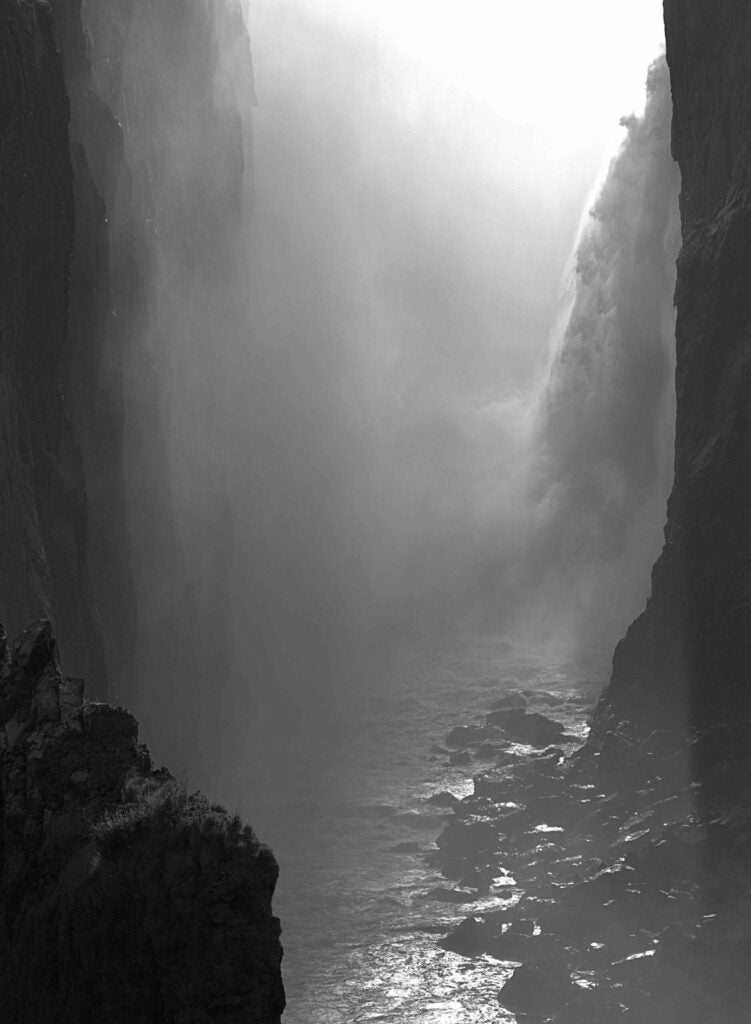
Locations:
684 664
122 898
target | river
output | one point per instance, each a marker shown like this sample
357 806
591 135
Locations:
359 933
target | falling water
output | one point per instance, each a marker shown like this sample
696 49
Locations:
374 454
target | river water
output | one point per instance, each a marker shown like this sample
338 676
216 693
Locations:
359 934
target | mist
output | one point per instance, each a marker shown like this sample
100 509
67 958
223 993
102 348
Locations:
400 384
454 409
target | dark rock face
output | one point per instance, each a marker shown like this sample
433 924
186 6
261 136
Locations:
122 898
162 125
685 661
538 988
527 727
42 499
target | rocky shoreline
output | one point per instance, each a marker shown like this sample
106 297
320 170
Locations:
627 905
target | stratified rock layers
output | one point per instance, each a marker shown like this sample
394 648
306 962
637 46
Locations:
686 660
122 898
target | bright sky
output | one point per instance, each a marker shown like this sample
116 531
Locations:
564 62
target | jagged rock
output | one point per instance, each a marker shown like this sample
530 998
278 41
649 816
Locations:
443 799
461 758
527 727
469 938
122 897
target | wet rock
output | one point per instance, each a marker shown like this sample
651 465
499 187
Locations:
479 878
469 938
465 839
443 799
487 752
465 735
497 788
461 758
599 1005
524 727
530 948
541 987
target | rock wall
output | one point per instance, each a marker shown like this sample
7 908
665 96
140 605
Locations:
43 537
122 898
178 78
685 662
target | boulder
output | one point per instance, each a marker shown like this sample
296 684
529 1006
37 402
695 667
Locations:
465 735
527 727
465 839
542 987
468 938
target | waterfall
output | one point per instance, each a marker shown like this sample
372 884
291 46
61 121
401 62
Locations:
345 423
601 445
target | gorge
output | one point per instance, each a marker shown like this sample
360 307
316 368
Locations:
254 475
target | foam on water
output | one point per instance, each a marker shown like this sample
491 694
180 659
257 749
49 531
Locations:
360 936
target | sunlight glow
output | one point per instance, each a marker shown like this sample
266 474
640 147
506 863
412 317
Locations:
577 63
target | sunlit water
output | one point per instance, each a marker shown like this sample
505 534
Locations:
360 937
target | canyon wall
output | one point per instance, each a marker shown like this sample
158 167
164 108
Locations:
44 542
121 895
684 663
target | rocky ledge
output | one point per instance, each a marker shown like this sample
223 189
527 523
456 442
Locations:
624 901
122 897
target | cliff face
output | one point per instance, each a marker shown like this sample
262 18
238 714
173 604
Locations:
177 77
43 548
64 551
124 179
684 662
122 898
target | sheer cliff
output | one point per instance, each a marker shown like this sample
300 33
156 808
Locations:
175 79
684 662
44 549
121 896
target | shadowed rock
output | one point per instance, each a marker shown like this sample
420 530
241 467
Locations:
122 897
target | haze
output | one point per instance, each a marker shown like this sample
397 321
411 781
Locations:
355 400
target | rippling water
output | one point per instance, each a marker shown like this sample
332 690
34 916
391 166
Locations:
359 934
